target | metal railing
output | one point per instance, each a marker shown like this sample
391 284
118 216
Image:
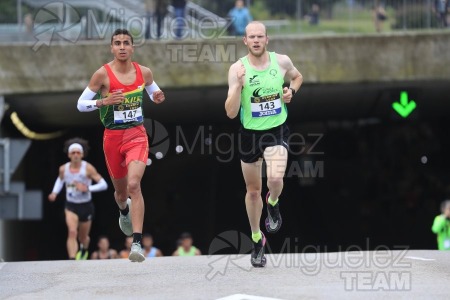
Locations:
87 19
342 17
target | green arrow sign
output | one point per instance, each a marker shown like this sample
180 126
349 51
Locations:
405 107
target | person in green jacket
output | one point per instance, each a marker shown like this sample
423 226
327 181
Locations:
441 226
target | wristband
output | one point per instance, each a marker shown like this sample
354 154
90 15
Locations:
152 88
293 91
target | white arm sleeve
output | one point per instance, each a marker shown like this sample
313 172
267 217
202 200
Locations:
58 185
99 186
152 88
85 102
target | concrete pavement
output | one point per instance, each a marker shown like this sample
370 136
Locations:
415 274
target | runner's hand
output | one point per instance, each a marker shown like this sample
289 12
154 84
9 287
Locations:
52 197
158 96
114 98
241 75
81 187
287 95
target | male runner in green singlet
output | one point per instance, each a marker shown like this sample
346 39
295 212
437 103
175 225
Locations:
256 91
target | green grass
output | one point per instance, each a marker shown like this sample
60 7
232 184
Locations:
328 26
342 26
357 21
343 22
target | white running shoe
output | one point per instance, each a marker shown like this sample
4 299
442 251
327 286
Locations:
125 221
136 253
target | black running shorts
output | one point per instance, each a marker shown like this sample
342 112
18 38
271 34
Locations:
84 211
252 143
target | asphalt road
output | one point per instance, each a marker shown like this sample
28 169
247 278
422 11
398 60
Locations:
417 274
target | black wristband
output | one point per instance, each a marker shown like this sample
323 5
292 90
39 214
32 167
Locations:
293 91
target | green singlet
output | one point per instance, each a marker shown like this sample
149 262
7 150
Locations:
191 251
262 106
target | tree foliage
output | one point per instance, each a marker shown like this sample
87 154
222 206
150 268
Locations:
8 11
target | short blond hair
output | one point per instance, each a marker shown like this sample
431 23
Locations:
255 23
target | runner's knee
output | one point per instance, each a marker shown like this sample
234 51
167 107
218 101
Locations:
72 233
254 195
134 186
275 181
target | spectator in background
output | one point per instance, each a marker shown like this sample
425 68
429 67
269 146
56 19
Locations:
161 12
186 247
104 252
147 244
179 7
313 16
379 16
125 252
149 11
240 17
441 226
441 9
27 29
29 24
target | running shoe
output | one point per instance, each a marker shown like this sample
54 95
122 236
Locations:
82 255
258 259
136 253
273 221
125 221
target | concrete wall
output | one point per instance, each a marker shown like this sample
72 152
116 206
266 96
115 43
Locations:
324 59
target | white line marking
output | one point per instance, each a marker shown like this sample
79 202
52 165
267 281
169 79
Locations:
420 258
246 297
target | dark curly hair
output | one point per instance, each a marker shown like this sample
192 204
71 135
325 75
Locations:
444 205
78 140
121 31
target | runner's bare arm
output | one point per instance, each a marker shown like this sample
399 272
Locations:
98 79
236 77
153 90
292 75
147 74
